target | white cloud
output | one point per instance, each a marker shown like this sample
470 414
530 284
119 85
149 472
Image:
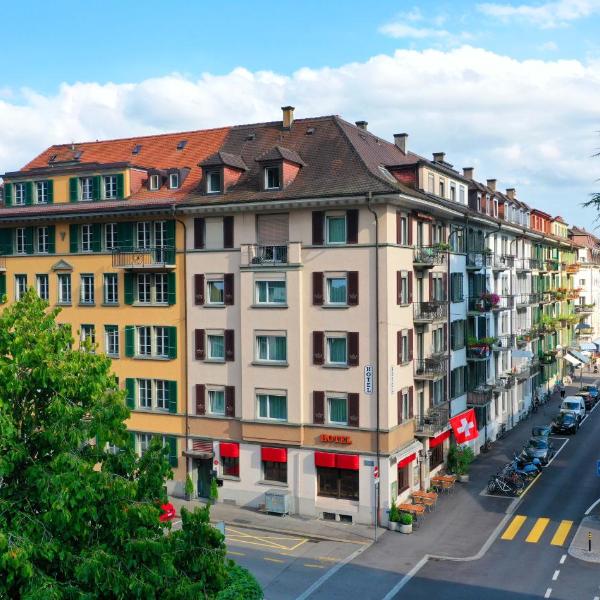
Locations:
403 27
531 124
548 47
547 16
402 30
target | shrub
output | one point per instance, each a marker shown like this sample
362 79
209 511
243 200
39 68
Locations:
394 515
189 487
406 519
241 585
459 459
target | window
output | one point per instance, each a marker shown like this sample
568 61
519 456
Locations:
216 402
42 240
20 286
456 287
458 383
430 183
457 335
337 483
216 346
403 478
337 410
42 286
272 181
160 234
270 292
110 236
453 191
87 188
154 182
110 187
161 335
275 471
404 351
438 341
111 340
111 288
162 394
404 404
42 192
144 287
161 288
337 350
87 289
215 291
272 406
88 335
461 194
231 466
213 233
64 288
87 235
143 440
174 180
403 233
437 457
336 229
20 240
437 391
144 345
271 348
442 188
404 287
144 387
213 182
19 193
143 235
337 290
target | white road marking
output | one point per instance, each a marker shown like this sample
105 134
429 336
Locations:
548 592
556 574
562 559
591 508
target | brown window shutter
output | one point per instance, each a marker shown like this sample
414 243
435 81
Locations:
318 219
198 290
444 234
430 286
410 344
398 287
228 288
398 228
445 286
410 230
410 287
200 399
319 408
199 336
352 226
399 348
317 288
411 410
445 334
353 409
198 233
353 349
352 288
430 233
318 347
229 345
399 403
230 401
227 232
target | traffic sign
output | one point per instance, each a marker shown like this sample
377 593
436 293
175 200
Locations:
598 468
376 473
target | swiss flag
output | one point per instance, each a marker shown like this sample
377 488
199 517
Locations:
464 426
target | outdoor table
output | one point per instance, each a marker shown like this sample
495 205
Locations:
428 499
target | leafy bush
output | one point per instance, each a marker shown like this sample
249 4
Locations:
459 459
394 515
189 487
406 519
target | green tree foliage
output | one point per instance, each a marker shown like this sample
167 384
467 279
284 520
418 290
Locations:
77 521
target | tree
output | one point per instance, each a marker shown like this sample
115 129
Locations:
76 520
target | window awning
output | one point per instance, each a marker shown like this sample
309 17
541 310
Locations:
572 360
580 357
588 346
406 461
229 450
273 454
339 461
440 439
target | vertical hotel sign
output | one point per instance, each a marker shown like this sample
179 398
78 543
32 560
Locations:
369 379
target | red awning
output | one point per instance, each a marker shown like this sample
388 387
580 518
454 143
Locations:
407 460
324 459
274 454
440 439
229 450
347 461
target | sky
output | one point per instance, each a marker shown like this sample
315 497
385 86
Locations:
511 88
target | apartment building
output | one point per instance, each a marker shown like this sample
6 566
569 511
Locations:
291 304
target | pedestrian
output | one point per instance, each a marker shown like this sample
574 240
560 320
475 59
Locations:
562 392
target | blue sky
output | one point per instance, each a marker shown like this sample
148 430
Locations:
510 87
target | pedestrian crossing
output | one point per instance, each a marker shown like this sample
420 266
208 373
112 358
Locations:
532 530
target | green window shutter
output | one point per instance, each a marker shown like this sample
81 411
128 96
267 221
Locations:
96 237
73 189
51 239
125 234
132 440
74 238
50 191
29 192
130 395
129 341
173 458
172 396
96 187
171 288
2 288
29 240
8 194
6 241
172 342
120 186
170 237
128 288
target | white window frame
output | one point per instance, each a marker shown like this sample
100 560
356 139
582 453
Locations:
404 287
20 285
111 288
173 181
405 404
143 441
269 395
215 334
112 340
270 337
268 293
154 182
143 288
330 277
110 187
87 235
64 285
20 241
161 393
161 341
87 289
211 391
86 189
211 281
42 192
87 332
19 194
335 336
272 169
336 216
404 349
403 230
143 341
145 385
42 286
143 234
42 239
111 236
209 181
334 396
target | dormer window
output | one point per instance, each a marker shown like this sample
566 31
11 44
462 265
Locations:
19 194
174 181
213 182
442 188
272 178
154 182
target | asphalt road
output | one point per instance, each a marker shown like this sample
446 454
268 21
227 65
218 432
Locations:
529 558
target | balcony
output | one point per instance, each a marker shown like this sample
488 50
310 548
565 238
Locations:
426 257
433 421
552 265
429 312
536 298
504 382
153 258
478 260
480 396
430 369
584 309
501 262
503 343
522 300
478 351
270 255
524 265
573 268
522 372
505 302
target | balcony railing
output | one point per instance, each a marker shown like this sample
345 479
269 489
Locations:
505 303
552 265
433 421
478 352
504 382
522 300
536 298
500 262
478 260
428 312
431 368
268 255
524 264
503 343
480 396
522 371
153 257
426 257
584 309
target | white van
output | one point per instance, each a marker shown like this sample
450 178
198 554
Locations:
575 405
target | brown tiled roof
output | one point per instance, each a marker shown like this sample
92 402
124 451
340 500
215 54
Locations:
224 158
279 153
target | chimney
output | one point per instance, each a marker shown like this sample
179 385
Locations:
362 124
491 183
400 141
511 193
468 172
439 157
288 116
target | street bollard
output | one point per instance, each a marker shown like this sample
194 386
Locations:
589 541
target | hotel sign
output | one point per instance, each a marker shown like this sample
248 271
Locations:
330 438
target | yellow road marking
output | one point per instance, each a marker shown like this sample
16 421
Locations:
314 566
236 553
514 527
277 560
561 533
327 559
538 529
266 541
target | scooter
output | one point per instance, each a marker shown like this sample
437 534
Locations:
530 468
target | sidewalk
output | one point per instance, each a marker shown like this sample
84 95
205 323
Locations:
579 547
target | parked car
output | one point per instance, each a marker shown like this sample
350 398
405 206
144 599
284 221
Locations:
565 422
593 391
575 405
539 447
167 512
587 399
541 431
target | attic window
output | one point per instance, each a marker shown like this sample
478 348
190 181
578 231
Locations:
272 178
250 137
52 158
154 182
181 145
77 155
136 149
213 182
173 181
310 130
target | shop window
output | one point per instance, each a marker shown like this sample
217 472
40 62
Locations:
231 466
403 481
437 457
337 483
275 471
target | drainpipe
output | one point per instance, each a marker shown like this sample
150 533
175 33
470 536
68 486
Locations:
185 330
377 431
512 329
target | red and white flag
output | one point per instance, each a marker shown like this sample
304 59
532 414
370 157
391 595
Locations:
464 426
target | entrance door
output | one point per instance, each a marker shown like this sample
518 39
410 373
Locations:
204 470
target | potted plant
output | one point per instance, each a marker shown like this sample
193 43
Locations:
189 488
214 491
394 518
442 246
459 461
406 523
